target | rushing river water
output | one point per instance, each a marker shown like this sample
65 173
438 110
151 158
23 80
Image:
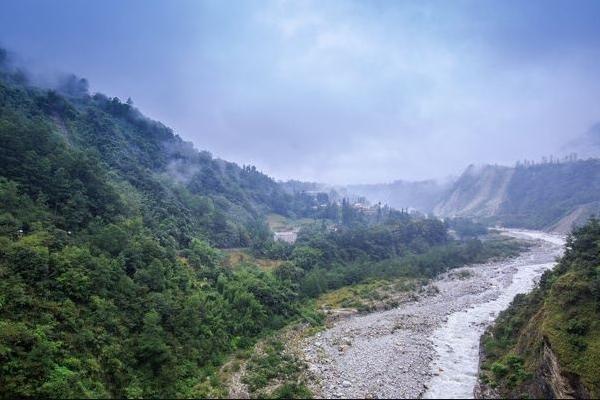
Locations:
457 341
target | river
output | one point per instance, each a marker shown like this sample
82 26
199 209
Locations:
427 347
456 342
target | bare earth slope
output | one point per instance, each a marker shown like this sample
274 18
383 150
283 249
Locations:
478 193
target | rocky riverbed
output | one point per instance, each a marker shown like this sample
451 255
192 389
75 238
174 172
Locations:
410 351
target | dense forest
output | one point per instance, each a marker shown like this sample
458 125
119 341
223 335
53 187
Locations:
547 344
112 281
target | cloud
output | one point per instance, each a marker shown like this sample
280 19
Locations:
351 91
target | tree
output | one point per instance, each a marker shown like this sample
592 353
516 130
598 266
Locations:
306 257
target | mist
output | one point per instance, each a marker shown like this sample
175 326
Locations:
339 92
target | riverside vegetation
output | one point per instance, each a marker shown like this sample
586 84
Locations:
112 275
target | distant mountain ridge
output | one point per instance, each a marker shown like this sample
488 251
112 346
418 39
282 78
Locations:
552 196
586 145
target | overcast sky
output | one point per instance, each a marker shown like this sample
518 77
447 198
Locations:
334 91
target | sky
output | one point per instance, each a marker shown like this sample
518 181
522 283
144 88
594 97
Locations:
334 91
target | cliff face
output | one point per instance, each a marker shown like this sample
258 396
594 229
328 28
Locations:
546 196
552 382
547 381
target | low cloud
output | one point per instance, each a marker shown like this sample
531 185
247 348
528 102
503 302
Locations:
343 91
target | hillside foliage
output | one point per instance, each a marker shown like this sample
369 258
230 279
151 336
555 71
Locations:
561 315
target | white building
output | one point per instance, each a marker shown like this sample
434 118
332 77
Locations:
286 236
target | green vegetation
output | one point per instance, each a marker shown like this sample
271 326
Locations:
540 195
466 228
562 315
409 249
280 223
275 373
234 258
369 295
116 236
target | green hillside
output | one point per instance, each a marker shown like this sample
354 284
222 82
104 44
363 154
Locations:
57 141
540 196
547 344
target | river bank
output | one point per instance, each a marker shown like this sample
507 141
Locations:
427 344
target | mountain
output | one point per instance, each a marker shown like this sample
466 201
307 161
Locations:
110 282
547 343
586 145
478 192
58 141
551 195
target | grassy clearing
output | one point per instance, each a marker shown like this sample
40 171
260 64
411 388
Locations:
371 295
279 223
235 258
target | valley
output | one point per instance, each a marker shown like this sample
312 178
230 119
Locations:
428 346
135 264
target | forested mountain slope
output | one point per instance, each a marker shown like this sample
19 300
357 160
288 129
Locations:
542 196
56 141
108 284
547 344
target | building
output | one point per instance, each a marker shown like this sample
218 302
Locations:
286 236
